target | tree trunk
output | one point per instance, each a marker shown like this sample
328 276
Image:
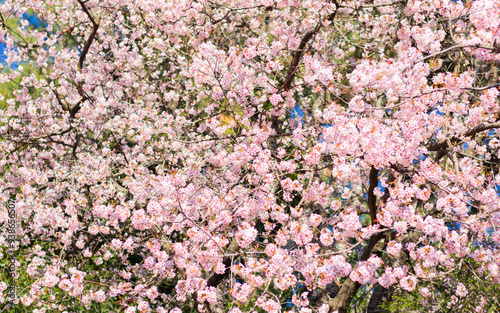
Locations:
379 296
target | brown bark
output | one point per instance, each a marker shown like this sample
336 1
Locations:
379 296
441 147
349 288
216 279
341 302
372 199
298 54
83 55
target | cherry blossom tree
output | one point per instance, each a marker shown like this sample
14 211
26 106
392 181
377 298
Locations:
259 155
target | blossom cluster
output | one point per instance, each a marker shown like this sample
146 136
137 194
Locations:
173 156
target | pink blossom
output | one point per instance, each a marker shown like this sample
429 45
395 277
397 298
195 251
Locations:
275 99
461 290
394 248
241 291
245 236
424 291
245 144
99 296
143 307
408 283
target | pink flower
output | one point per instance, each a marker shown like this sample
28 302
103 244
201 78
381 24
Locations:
302 300
326 237
302 234
143 307
65 284
267 3
27 300
350 223
140 220
208 294
366 270
77 276
394 248
276 47
357 104
152 293
241 291
275 99
425 292
315 220
87 253
49 280
408 283
461 290
93 230
246 235
149 263
270 306
99 296
115 244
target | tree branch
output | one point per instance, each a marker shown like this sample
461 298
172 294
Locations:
298 54
349 288
91 37
372 205
483 88
216 279
83 55
442 146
